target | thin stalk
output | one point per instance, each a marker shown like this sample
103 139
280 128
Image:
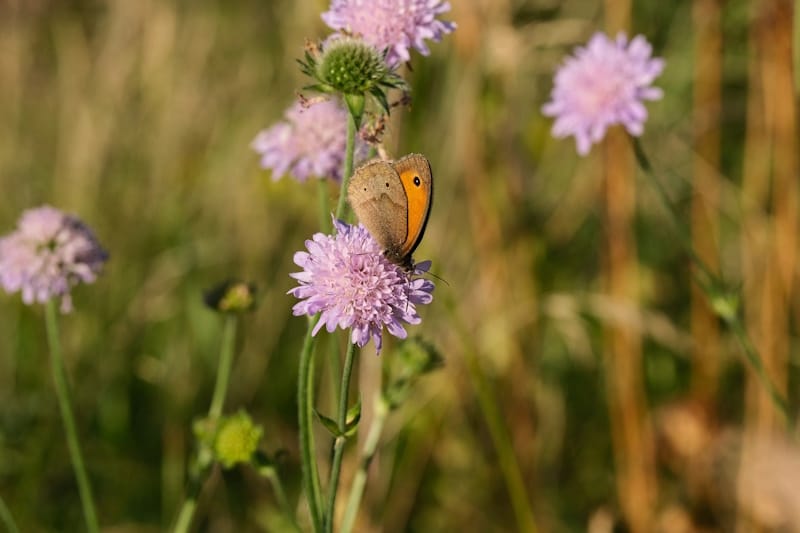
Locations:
186 513
498 432
502 444
751 354
335 370
305 418
272 475
324 206
62 392
341 440
711 284
224 367
683 233
7 519
360 479
348 164
202 467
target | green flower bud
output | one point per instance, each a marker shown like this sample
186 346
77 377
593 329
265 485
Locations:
351 66
237 440
232 296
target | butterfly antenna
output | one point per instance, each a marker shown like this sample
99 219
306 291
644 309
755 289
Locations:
438 277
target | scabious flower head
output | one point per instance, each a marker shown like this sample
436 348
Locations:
309 142
392 25
603 84
48 254
347 279
351 67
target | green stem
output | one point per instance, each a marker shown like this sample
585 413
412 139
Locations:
711 284
272 475
7 519
360 479
341 440
187 512
498 432
750 352
224 368
348 165
502 444
335 370
324 206
347 372
201 467
708 276
305 418
198 473
62 391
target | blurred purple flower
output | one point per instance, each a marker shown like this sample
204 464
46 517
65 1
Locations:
48 254
394 25
310 142
603 84
350 282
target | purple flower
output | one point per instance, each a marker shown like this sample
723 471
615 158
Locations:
603 84
49 254
392 25
310 142
348 280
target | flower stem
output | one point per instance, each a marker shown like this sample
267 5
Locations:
7 519
341 440
305 418
348 164
683 232
711 283
360 479
502 444
498 432
750 352
335 369
324 206
224 368
201 467
62 391
274 479
187 509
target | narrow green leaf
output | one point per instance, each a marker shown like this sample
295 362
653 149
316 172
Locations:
354 413
353 418
320 88
380 96
329 424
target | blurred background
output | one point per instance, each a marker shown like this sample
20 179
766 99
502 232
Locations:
587 385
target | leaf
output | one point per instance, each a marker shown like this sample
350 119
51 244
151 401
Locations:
353 418
329 424
354 413
381 98
320 88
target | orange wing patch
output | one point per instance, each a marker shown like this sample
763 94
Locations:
418 201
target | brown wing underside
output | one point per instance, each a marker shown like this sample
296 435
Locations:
378 199
389 231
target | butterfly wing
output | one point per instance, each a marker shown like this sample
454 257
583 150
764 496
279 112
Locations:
416 177
379 201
